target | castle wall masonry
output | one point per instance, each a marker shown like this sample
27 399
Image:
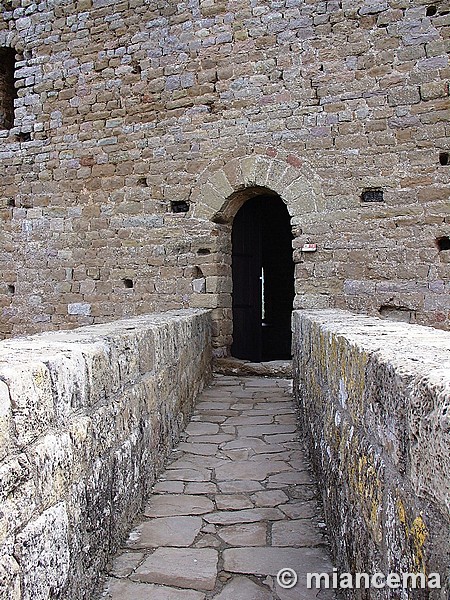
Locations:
374 398
87 419
127 109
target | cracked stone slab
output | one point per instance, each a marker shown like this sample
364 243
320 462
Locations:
201 428
123 589
244 516
188 475
291 478
232 502
300 510
243 420
268 561
254 469
244 534
174 487
270 498
246 442
296 533
125 563
244 485
194 568
201 449
242 588
199 487
165 531
168 505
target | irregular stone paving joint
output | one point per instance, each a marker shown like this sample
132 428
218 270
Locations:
236 503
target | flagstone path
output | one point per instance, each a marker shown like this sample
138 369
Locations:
236 504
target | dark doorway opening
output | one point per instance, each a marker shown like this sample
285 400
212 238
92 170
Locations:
263 280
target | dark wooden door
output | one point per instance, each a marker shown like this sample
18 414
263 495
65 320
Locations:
247 264
262 242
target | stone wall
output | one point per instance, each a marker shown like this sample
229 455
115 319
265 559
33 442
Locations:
87 419
375 399
126 108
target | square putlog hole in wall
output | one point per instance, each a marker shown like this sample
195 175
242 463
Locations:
372 196
443 243
444 158
179 206
128 283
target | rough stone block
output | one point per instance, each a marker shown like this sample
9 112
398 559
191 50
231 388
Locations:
380 386
42 551
31 398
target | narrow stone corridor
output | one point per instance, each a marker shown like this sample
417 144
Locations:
235 505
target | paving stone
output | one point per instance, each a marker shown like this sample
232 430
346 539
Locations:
207 541
216 405
257 430
244 534
269 498
201 488
119 589
269 449
188 474
246 442
280 410
259 469
273 456
195 461
177 504
231 487
217 438
301 492
213 416
169 486
289 419
241 454
232 502
194 568
165 531
228 429
280 438
242 588
125 563
291 478
249 421
244 516
300 510
296 533
201 428
301 592
202 449
268 561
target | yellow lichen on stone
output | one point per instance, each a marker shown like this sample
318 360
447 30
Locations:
367 485
416 536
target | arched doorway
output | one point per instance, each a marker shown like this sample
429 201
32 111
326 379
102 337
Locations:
263 280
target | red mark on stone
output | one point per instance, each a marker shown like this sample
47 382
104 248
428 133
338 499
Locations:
87 161
294 161
271 152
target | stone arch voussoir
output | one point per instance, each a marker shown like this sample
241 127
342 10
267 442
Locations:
225 185
11 39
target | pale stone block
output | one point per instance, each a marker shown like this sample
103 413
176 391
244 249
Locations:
42 550
5 420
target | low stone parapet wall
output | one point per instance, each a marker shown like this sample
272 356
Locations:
375 404
87 418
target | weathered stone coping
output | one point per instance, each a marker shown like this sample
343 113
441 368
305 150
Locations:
375 400
87 418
